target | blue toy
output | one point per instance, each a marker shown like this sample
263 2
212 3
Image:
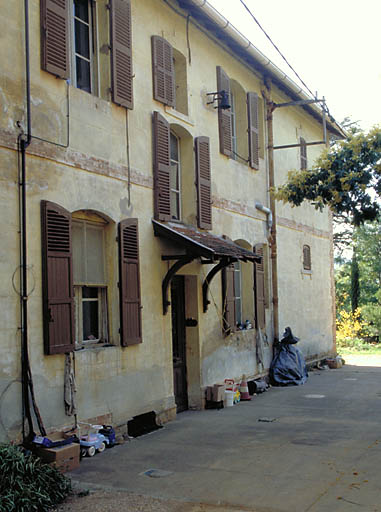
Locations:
93 441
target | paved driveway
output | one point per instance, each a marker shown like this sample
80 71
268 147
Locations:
322 452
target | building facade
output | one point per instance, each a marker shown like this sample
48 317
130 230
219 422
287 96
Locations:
138 234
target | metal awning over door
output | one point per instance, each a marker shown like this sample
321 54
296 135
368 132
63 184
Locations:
198 244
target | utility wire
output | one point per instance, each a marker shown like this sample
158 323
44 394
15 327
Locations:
277 49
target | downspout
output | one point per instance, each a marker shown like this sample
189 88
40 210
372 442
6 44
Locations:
269 215
273 232
23 143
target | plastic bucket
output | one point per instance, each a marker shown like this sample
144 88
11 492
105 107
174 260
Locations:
229 398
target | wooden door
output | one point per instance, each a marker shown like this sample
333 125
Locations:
179 343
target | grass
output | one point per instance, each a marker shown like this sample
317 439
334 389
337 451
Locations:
357 346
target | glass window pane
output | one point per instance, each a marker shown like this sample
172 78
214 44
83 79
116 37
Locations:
82 44
237 279
174 148
78 240
89 292
238 311
174 176
94 254
90 320
81 9
175 205
83 74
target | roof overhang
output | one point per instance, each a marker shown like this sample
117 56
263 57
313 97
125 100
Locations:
202 243
215 23
196 244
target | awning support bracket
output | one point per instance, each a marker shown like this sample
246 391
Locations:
224 262
167 279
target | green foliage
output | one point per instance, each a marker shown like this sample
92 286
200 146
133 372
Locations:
355 283
346 177
357 345
366 244
27 484
372 316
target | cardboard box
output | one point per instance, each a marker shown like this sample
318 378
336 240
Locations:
218 392
64 458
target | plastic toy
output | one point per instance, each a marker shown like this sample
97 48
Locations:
93 441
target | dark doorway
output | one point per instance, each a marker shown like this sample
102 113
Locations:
178 343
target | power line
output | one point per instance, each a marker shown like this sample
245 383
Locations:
277 49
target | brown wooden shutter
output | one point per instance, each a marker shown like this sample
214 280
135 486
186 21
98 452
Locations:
57 276
203 181
253 129
121 53
306 257
303 154
162 168
129 283
228 300
55 37
260 289
163 71
224 116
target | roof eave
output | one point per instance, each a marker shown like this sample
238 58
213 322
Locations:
213 21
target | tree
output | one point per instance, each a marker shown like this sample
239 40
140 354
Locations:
358 280
346 177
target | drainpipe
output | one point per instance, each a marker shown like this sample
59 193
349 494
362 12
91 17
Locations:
23 143
267 211
273 233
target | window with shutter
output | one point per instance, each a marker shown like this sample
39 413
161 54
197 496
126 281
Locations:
57 275
162 168
228 300
306 257
55 37
224 116
203 182
163 71
253 130
121 53
90 279
260 289
129 283
303 154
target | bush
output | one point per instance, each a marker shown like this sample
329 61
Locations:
349 325
27 484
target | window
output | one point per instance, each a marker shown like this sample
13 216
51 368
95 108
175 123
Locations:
239 308
69 45
169 72
307 258
82 55
175 177
237 293
76 284
90 280
233 127
303 154
240 137
176 160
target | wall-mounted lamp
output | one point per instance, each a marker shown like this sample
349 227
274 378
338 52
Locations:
222 97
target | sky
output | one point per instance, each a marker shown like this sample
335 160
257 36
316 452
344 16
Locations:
334 45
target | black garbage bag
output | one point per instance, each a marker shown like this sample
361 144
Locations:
288 368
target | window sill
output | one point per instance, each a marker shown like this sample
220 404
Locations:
178 115
87 346
306 272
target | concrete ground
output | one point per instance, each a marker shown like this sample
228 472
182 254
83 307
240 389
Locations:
311 448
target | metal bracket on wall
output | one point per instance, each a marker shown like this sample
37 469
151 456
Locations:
182 261
301 103
225 262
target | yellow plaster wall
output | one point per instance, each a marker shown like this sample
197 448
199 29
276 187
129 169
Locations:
92 175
